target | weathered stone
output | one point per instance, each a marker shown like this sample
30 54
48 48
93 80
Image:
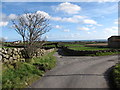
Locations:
5 60
11 58
2 50
14 57
0 57
18 56
14 54
0 53
15 49
22 60
5 52
9 51
14 61
5 49
18 49
7 56
20 53
3 55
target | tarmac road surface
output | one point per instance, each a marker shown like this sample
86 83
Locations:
78 72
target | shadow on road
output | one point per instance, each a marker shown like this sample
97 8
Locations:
109 78
61 52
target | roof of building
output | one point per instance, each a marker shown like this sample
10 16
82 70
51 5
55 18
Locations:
114 37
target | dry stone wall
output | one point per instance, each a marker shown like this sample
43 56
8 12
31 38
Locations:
71 52
15 54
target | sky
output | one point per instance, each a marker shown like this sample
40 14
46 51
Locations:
69 20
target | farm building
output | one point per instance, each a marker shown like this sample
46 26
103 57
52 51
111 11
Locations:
114 42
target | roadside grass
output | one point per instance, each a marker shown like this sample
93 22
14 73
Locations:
116 75
23 74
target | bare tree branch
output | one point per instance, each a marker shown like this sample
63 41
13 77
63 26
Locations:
31 26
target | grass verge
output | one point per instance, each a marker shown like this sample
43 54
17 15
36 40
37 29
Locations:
116 76
22 74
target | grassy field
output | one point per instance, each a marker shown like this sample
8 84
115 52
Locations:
72 45
92 47
22 74
88 48
116 75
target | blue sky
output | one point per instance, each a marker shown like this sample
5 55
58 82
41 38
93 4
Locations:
69 20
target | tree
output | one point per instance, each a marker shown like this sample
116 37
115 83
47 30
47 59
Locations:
2 39
31 27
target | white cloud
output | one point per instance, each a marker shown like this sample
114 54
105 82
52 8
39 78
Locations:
83 28
3 23
68 8
117 21
58 26
12 16
56 18
89 25
94 31
88 32
76 19
9 17
99 25
5 19
3 38
93 28
111 30
90 21
43 13
73 19
66 30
